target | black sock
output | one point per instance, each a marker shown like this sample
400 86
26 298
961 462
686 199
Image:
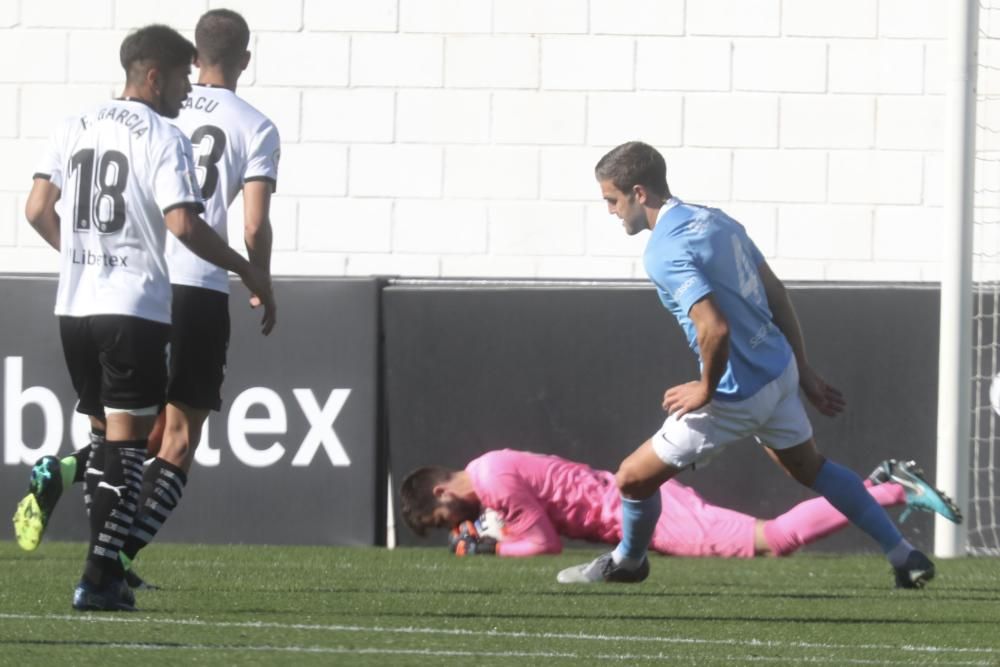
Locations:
93 470
82 456
113 508
162 487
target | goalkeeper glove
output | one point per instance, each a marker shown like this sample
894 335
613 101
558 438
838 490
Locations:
465 540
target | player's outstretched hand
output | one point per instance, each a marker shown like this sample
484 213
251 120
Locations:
685 398
258 281
826 398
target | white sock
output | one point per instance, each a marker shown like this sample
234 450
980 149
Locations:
898 554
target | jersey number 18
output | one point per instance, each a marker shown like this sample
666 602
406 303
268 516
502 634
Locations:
107 212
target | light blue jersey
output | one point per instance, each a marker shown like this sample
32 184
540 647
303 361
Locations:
695 251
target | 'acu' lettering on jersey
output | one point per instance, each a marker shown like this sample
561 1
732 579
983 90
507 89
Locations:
695 251
233 143
119 169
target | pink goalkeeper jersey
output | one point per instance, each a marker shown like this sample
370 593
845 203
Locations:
541 498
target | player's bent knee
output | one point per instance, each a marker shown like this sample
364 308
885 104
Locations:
801 462
632 484
175 449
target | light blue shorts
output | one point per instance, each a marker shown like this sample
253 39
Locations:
775 416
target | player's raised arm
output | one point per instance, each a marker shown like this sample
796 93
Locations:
40 210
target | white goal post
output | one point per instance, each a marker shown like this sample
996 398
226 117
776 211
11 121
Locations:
968 430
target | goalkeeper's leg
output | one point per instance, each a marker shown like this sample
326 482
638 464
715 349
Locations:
813 520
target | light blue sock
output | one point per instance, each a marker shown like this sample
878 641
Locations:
844 490
639 519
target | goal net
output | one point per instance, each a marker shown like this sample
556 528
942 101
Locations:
983 519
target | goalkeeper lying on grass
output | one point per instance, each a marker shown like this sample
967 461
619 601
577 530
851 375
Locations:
535 499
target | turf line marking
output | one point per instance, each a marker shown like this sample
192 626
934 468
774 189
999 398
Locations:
437 653
270 625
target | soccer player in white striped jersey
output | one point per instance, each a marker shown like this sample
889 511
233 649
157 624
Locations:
111 184
236 148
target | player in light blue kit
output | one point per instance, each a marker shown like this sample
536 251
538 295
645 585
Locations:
742 326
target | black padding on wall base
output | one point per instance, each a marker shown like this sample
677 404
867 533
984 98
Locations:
580 372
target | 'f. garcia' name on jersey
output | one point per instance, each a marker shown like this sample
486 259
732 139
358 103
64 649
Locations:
126 117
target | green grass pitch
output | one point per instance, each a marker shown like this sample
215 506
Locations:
253 605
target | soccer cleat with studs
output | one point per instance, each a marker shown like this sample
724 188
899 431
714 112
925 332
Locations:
882 472
32 515
915 572
113 596
920 495
604 569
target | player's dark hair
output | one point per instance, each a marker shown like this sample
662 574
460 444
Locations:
222 37
417 495
154 46
634 163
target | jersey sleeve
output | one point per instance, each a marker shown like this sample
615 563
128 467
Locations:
51 164
528 531
175 182
680 277
263 156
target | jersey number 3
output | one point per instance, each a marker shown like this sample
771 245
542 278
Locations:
210 142
750 286
106 213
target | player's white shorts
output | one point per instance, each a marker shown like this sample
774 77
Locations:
775 416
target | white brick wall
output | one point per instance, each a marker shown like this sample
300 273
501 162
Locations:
458 137
444 16
443 116
397 60
532 16
780 65
737 121
827 121
370 15
349 115
8 220
491 172
67 14
492 62
181 14
728 18
9 14
846 18
613 118
8 111
530 117
687 64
